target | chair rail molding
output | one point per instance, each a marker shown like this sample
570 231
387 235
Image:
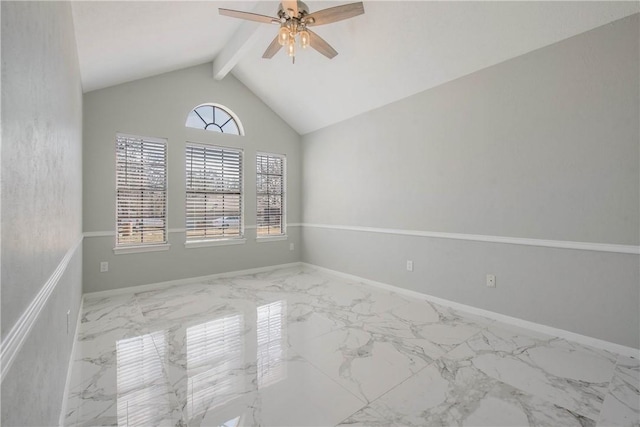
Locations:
561 244
18 334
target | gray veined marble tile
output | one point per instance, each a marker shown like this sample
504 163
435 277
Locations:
572 376
124 387
302 281
295 394
177 304
436 327
338 294
109 316
367 417
298 347
104 321
454 392
367 364
238 366
99 347
622 404
209 353
287 273
305 323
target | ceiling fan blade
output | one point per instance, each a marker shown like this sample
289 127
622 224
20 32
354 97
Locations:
291 7
248 16
334 14
273 48
319 44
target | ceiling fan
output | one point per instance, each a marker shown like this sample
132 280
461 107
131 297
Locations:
294 19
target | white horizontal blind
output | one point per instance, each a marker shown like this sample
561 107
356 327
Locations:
270 177
214 192
141 190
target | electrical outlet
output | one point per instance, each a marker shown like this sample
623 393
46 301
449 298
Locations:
104 267
491 281
291 246
409 265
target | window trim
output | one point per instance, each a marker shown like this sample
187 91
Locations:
119 249
272 238
226 109
283 235
225 240
139 249
229 241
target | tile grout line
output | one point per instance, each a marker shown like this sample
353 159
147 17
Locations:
317 368
368 405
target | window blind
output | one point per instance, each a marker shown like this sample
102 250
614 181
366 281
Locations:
214 192
141 190
270 176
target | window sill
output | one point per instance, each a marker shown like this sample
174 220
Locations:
139 249
219 242
265 239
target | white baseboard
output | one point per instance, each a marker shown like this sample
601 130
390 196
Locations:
525 324
186 281
72 358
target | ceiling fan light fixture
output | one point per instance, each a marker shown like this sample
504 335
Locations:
304 38
291 47
283 35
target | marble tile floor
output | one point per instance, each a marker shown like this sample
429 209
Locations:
298 347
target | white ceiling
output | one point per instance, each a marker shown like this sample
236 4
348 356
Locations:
120 41
394 50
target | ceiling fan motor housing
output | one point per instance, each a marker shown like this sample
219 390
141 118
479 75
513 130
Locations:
303 10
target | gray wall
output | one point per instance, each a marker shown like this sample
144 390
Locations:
158 107
542 146
41 200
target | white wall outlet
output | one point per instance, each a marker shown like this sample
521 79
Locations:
491 280
291 246
104 267
409 265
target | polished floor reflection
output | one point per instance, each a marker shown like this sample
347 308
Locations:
297 347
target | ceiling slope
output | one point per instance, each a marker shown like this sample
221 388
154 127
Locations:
394 50
121 41
397 49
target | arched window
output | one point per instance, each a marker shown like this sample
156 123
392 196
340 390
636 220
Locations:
216 118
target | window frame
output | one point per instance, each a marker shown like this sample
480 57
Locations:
227 110
224 240
126 248
283 227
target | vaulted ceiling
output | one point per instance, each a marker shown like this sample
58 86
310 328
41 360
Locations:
394 50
